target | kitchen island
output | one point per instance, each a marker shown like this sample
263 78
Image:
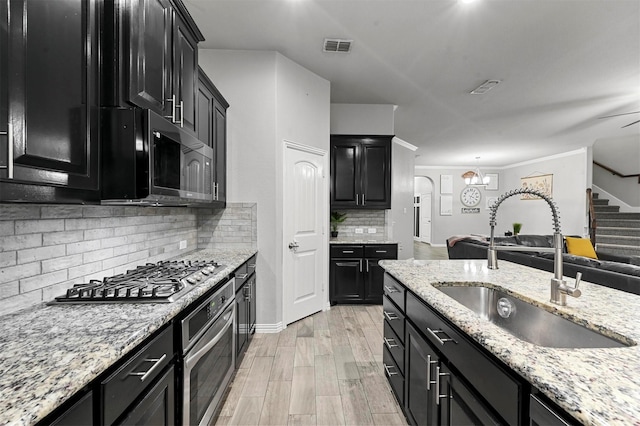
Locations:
594 386
51 352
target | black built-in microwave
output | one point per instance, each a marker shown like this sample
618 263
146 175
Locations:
147 160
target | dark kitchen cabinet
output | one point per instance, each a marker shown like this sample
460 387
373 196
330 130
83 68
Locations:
361 172
151 58
449 380
245 283
49 115
211 127
354 273
157 408
79 414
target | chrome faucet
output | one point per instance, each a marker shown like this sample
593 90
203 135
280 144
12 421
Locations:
559 287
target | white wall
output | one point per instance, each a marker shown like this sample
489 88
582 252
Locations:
402 183
570 181
362 119
271 98
626 190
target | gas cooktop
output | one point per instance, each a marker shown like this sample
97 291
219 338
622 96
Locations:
162 282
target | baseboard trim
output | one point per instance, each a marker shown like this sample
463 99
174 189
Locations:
269 328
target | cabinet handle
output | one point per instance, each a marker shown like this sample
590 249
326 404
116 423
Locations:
363 203
381 251
347 251
360 261
367 266
215 191
144 374
429 362
437 392
434 333
357 199
390 315
172 99
181 113
391 289
9 166
389 344
252 266
389 373
242 276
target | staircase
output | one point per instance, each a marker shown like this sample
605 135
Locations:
616 232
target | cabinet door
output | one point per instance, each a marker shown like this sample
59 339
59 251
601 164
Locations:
80 413
242 326
376 173
185 70
459 405
421 363
51 85
346 280
204 123
252 304
373 280
157 407
345 172
220 150
150 68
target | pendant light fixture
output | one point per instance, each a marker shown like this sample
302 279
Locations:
475 177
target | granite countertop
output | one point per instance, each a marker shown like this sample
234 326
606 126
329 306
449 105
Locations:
51 352
360 240
596 386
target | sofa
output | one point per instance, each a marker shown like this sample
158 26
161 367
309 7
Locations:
618 272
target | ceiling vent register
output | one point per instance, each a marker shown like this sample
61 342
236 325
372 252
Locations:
336 45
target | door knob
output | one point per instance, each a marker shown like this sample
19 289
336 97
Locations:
293 246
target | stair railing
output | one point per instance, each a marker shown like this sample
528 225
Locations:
592 217
615 173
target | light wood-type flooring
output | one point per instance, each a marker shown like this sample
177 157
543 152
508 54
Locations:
325 369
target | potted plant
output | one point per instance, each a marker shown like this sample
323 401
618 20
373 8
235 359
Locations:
336 219
516 228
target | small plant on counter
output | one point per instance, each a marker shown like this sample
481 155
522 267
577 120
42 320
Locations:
336 219
516 228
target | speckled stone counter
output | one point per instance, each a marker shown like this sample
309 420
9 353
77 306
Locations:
347 240
596 386
51 352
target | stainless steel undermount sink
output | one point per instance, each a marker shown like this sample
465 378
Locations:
528 322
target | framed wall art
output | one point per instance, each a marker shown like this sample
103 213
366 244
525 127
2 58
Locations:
493 181
543 183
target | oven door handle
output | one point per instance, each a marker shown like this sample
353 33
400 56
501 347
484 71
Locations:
197 353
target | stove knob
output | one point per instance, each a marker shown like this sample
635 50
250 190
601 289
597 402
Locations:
191 280
198 277
205 271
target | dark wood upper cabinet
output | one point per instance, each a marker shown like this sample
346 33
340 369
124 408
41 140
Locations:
211 128
49 101
361 172
151 58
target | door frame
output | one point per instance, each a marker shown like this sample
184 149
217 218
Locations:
324 250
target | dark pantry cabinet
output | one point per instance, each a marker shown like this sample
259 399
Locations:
355 276
360 172
245 284
151 58
49 103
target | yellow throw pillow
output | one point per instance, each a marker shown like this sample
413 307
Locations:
580 247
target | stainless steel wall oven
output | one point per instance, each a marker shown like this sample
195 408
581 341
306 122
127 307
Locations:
208 355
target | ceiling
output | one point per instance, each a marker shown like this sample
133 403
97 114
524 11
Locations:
562 64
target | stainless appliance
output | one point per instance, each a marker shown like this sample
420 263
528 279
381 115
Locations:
146 160
161 282
208 355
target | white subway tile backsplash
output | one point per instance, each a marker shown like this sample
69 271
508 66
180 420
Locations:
45 249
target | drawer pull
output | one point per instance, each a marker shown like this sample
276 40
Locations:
242 276
252 266
381 251
347 251
391 289
434 333
144 374
389 373
391 343
429 362
437 382
390 315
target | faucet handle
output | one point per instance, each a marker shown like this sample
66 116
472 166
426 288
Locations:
575 291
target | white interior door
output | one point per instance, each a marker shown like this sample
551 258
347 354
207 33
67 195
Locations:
305 238
425 218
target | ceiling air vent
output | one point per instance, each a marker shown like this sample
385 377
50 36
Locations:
485 87
336 45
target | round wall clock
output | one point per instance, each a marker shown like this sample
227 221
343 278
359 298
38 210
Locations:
470 196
